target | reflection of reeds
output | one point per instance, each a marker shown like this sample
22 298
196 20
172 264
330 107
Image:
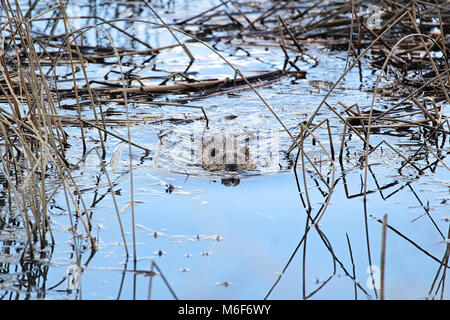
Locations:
365 123
34 141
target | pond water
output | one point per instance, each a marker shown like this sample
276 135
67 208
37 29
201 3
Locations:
202 234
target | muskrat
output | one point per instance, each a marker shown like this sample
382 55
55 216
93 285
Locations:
225 153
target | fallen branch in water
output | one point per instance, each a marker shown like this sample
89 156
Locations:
188 86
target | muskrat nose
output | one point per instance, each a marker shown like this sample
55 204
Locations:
231 167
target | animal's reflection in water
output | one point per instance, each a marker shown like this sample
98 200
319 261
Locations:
231 182
226 153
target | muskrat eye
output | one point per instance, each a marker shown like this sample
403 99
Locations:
213 152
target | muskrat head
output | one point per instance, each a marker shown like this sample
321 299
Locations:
225 153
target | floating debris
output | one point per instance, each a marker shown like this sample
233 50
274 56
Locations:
169 188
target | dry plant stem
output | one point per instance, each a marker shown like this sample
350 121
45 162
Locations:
314 223
350 40
36 17
189 87
158 103
114 201
236 6
15 101
130 154
72 229
444 46
37 136
282 42
36 147
188 53
19 201
129 35
77 209
29 186
68 27
330 186
383 259
437 157
291 35
237 71
375 35
301 138
36 161
375 93
311 119
397 152
25 35
411 95
133 52
233 90
353 266
165 280
312 163
346 125
59 164
427 211
443 263
150 282
331 141
415 245
424 110
202 13
83 68
76 165
421 36
293 145
129 142
304 261
108 132
434 131
300 149
263 15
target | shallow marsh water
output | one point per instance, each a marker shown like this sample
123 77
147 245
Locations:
210 240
